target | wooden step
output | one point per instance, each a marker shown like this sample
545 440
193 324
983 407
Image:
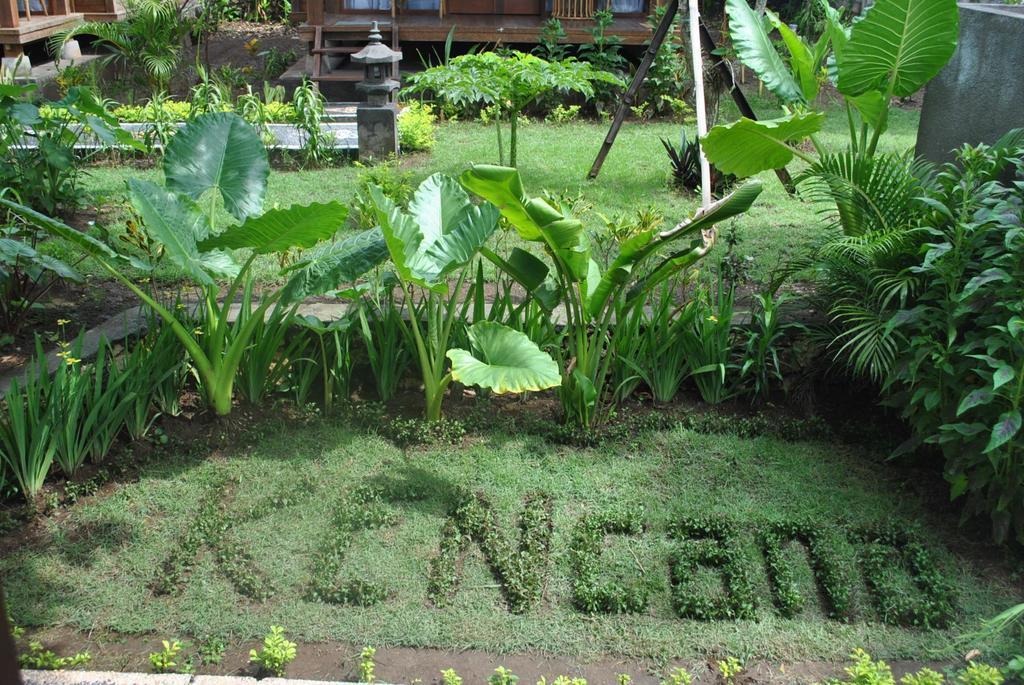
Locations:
347 76
338 50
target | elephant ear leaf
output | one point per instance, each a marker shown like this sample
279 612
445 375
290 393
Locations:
176 222
442 231
329 265
533 219
282 229
802 59
506 361
746 147
898 46
756 49
219 151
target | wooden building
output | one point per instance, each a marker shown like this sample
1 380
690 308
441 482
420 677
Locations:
334 29
26 21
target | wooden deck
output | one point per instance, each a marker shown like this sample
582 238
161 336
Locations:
483 28
36 28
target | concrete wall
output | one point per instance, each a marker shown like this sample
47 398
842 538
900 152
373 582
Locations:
979 95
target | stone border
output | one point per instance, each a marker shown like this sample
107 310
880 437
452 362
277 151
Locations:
115 678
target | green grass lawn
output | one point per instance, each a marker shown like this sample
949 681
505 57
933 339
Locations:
103 565
557 157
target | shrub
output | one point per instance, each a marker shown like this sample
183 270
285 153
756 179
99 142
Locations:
952 263
563 114
416 127
164 660
39 152
509 82
979 674
277 652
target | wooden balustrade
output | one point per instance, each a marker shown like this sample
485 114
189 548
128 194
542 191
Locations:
572 9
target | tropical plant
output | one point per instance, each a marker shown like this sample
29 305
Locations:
275 655
685 162
388 349
930 310
661 359
318 144
263 366
88 404
218 159
959 375
604 53
146 44
892 52
551 42
322 357
761 364
26 274
668 79
441 233
38 145
508 82
589 297
708 340
27 444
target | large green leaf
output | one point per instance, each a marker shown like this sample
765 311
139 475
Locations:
282 229
505 361
442 231
176 222
219 151
533 218
898 46
756 49
328 266
802 60
746 147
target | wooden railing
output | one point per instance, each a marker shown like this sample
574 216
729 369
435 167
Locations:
572 9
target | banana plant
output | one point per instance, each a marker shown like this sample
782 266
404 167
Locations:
896 48
435 240
574 280
219 159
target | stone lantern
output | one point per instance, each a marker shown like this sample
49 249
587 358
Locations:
377 118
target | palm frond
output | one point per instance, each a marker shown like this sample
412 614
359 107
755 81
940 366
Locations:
865 193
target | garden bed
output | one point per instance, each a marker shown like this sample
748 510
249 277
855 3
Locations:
118 564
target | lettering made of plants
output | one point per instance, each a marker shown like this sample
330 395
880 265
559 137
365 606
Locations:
709 565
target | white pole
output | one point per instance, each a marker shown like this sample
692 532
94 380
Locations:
702 113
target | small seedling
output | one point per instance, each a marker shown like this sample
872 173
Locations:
678 676
164 660
276 654
503 676
450 677
41 659
366 665
624 679
211 651
729 669
925 676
